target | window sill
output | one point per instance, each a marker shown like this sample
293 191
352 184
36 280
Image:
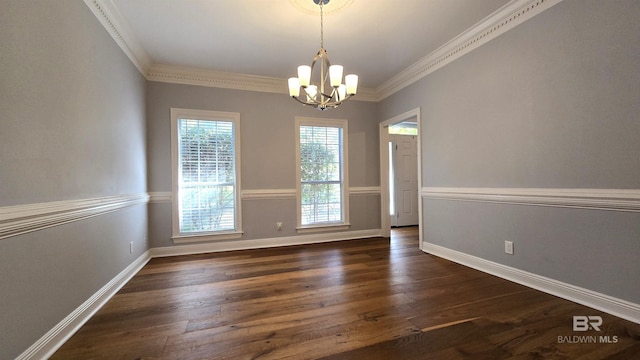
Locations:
323 228
185 239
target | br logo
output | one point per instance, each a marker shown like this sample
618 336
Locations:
585 323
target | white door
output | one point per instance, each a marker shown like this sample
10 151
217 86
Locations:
404 165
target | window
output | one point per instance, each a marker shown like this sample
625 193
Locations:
321 173
205 175
404 128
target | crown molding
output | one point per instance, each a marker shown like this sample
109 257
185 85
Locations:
226 80
212 78
107 13
504 19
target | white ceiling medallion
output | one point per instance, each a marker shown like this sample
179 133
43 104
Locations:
310 8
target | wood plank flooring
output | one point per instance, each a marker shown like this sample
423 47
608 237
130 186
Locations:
360 299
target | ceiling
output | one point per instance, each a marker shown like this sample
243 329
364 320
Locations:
376 39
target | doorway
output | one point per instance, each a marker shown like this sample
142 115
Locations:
400 174
403 174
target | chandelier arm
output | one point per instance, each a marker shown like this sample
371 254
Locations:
335 104
330 96
310 100
325 99
324 66
304 102
322 106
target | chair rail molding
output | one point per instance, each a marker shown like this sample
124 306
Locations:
597 199
262 194
22 219
160 197
266 194
226 80
364 190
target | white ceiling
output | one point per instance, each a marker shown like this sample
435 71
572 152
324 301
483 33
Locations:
375 39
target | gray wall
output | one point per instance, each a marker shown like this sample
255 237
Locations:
267 154
553 103
72 127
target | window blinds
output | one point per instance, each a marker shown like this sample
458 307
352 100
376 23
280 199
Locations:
206 175
321 157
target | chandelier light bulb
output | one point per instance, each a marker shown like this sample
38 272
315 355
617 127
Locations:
352 83
294 87
342 92
312 91
304 75
335 74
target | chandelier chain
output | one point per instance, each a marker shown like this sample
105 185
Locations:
321 26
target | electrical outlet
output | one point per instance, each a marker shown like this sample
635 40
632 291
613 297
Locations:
508 247
131 247
279 225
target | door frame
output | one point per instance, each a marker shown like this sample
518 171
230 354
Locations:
385 221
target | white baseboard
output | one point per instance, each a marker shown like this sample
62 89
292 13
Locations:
614 306
59 334
263 243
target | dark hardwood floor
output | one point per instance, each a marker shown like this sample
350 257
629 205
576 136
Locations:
361 299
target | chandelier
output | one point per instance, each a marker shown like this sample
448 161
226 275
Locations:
331 91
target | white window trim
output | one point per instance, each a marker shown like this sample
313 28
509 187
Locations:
328 226
178 113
